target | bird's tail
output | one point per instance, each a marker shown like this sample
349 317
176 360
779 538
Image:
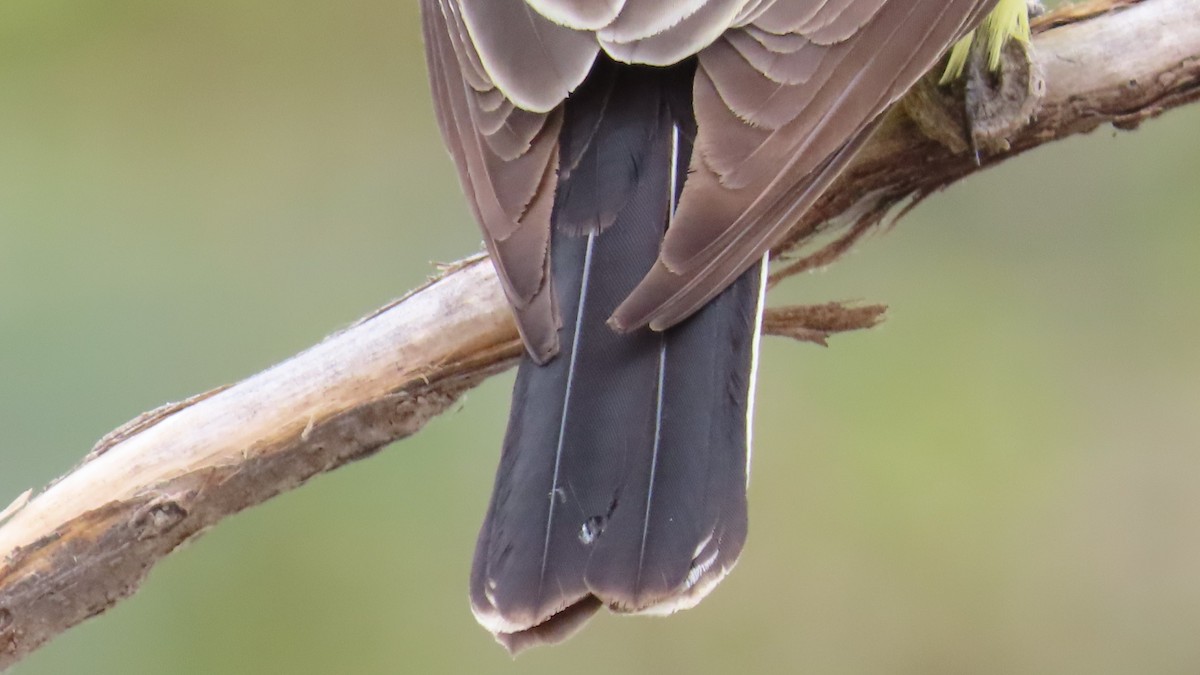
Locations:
622 481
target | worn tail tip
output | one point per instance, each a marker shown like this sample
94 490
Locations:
521 630
554 629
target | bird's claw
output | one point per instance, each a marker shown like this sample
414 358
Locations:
999 104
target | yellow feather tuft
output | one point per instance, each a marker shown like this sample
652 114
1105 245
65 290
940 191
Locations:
1008 21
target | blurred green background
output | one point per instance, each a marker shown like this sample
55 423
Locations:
1002 478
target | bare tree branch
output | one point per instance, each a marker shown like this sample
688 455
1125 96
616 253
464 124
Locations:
90 538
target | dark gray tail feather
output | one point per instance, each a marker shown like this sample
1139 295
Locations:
622 481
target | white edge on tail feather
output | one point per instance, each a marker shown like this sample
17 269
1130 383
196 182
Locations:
754 357
493 622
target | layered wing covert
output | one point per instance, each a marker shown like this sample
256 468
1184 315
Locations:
785 92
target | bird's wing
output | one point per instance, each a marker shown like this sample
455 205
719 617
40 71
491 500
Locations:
782 103
785 91
500 119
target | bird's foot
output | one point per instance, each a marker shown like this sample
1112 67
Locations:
990 89
1001 102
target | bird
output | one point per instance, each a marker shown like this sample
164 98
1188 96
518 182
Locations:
630 164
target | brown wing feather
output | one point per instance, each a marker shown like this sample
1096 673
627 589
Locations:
641 19
507 160
661 47
755 170
535 61
579 14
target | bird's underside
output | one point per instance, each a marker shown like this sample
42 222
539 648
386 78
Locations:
575 126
